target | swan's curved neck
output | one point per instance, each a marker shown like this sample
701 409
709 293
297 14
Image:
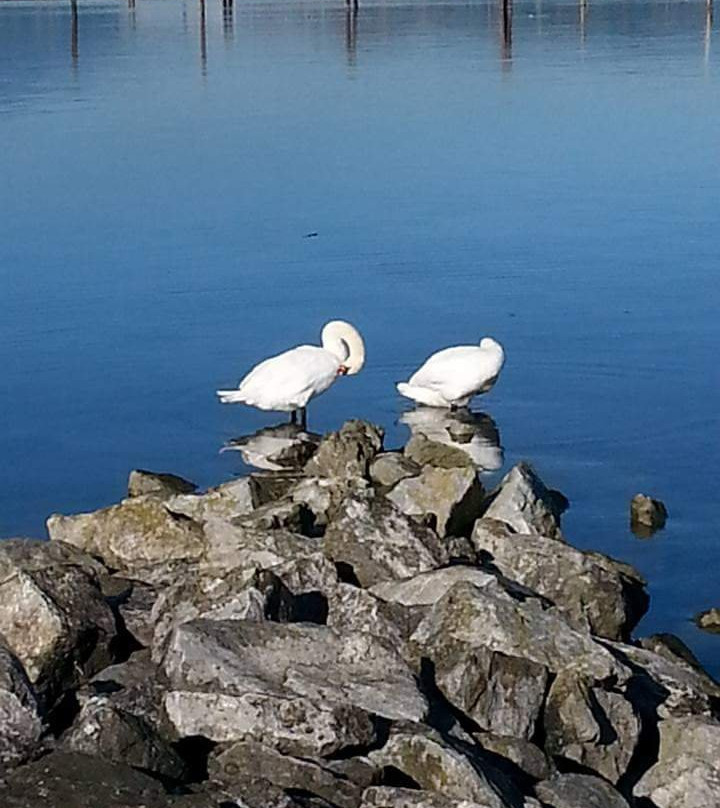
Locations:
344 342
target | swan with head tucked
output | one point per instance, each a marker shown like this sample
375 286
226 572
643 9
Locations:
287 382
451 377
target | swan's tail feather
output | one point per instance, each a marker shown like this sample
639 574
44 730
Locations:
230 396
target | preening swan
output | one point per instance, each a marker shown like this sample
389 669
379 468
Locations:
287 382
451 377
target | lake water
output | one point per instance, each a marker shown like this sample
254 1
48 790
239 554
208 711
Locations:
551 179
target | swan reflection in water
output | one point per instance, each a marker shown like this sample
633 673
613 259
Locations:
474 433
273 448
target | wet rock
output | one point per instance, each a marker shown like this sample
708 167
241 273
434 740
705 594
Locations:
313 661
389 468
687 772
348 452
492 653
454 772
578 791
377 542
524 503
392 797
709 620
596 728
52 613
20 724
646 515
453 497
104 730
593 591
226 501
247 761
139 530
426 452
163 486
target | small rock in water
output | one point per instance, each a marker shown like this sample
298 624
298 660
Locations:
709 620
646 515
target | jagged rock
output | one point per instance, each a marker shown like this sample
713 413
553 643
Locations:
646 515
709 620
530 759
673 686
593 591
139 530
378 542
311 573
226 501
163 486
390 797
428 587
310 660
596 728
247 760
20 724
452 497
270 486
348 452
389 468
219 594
72 780
452 771
52 613
354 609
104 730
578 791
491 655
522 501
133 601
687 772
425 452
672 648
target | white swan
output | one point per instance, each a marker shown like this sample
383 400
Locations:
451 377
287 382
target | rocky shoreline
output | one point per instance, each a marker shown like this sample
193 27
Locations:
359 628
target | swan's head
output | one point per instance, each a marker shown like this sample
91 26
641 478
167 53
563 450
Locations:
489 344
345 342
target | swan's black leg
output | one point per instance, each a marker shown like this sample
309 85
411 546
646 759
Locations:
303 418
293 416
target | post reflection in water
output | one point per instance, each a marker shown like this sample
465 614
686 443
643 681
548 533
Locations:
708 29
474 433
506 33
131 13
582 18
203 38
228 22
351 34
74 50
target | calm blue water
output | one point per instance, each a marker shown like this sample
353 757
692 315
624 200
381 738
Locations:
160 165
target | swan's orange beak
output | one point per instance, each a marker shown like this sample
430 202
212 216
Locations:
342 370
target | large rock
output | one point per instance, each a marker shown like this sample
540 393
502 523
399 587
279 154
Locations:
354 609
138 530
374 541
515 754
52 613
426 452
348 452
389 468
246 761
523 502
226 501
451 497
492 655
20 725
163 486
104 730
687 772
450 770
579 791
593 591
596 728
314 661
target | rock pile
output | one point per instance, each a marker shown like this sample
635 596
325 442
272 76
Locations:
371 629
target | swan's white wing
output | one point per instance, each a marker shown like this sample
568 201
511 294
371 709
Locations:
289 380
457 372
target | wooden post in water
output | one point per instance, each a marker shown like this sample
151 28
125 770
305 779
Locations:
74 49
351 33
203 38
506 31
708 28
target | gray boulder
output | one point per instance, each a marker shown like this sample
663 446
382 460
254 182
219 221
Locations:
52 613
225 501
348 452
687 772
163 486
356 610
593 591
528 758
389 468
451 497
105 730
523 502
578 791
377 542
426 452
20 724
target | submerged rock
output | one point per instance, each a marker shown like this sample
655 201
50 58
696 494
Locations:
163 486
646 515
593 591
52 613
524 503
